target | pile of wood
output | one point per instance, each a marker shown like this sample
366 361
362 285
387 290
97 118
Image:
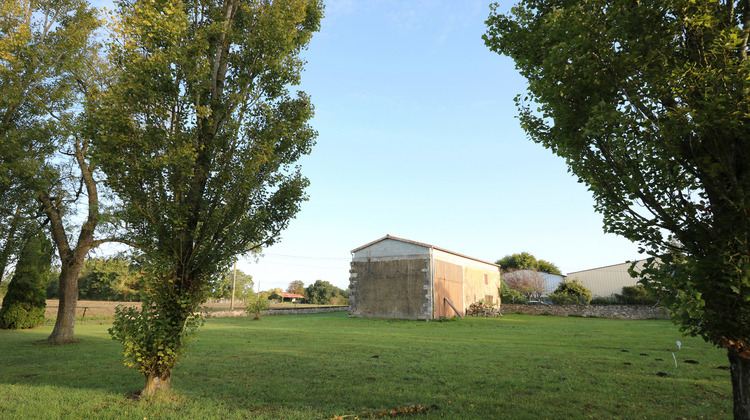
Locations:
483 310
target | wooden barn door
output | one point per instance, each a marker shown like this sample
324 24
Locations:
449 279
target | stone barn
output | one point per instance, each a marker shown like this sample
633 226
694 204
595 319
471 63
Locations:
399 278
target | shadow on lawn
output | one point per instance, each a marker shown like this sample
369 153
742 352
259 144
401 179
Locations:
210 373
94 362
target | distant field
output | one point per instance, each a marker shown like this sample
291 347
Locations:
88 308
98 309
325 365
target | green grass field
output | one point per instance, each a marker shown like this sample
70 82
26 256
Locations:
320 366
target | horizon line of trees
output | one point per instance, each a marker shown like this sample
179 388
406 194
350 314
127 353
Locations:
118 278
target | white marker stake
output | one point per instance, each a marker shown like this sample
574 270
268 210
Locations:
679 345
675 360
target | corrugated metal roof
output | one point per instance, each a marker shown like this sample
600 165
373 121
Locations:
409 241
606 266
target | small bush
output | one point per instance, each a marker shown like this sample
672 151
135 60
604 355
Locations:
636 295
601 301
254 305
508 295
571 293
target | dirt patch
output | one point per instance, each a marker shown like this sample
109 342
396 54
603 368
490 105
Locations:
87 308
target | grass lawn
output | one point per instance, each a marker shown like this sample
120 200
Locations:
319 366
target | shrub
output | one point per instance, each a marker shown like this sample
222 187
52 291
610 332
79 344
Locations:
601 300
637 295
571 293
254 305
24 303
508 295
152 338
529 283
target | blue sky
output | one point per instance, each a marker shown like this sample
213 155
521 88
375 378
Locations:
418 139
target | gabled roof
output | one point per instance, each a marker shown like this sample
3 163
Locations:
291 295
607 266
409 241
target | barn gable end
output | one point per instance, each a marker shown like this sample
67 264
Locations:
399 278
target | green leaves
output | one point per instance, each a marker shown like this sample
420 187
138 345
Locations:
571 293
526 261
198 135
152 339
23 305
649 104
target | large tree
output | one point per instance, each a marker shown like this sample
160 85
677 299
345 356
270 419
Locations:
321 292
16 198
199 135
649 104
296 286
526 261
49 66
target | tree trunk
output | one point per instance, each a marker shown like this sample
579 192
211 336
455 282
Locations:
66 314
157 383
740 370
72 258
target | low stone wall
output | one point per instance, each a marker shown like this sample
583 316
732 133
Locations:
284 311
600 311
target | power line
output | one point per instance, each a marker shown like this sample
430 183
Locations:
306 257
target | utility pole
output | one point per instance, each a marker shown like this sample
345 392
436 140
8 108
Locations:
234 284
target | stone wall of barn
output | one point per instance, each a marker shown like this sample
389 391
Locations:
392 288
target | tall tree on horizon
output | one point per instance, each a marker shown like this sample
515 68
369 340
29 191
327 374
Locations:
296 286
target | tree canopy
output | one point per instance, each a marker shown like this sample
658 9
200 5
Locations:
649 104
221 285
296 286
48 67
526 261
113 279
322 292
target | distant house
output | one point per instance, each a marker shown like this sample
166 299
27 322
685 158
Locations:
400 278
606 281
293 297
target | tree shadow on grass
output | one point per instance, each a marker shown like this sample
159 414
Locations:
93 362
